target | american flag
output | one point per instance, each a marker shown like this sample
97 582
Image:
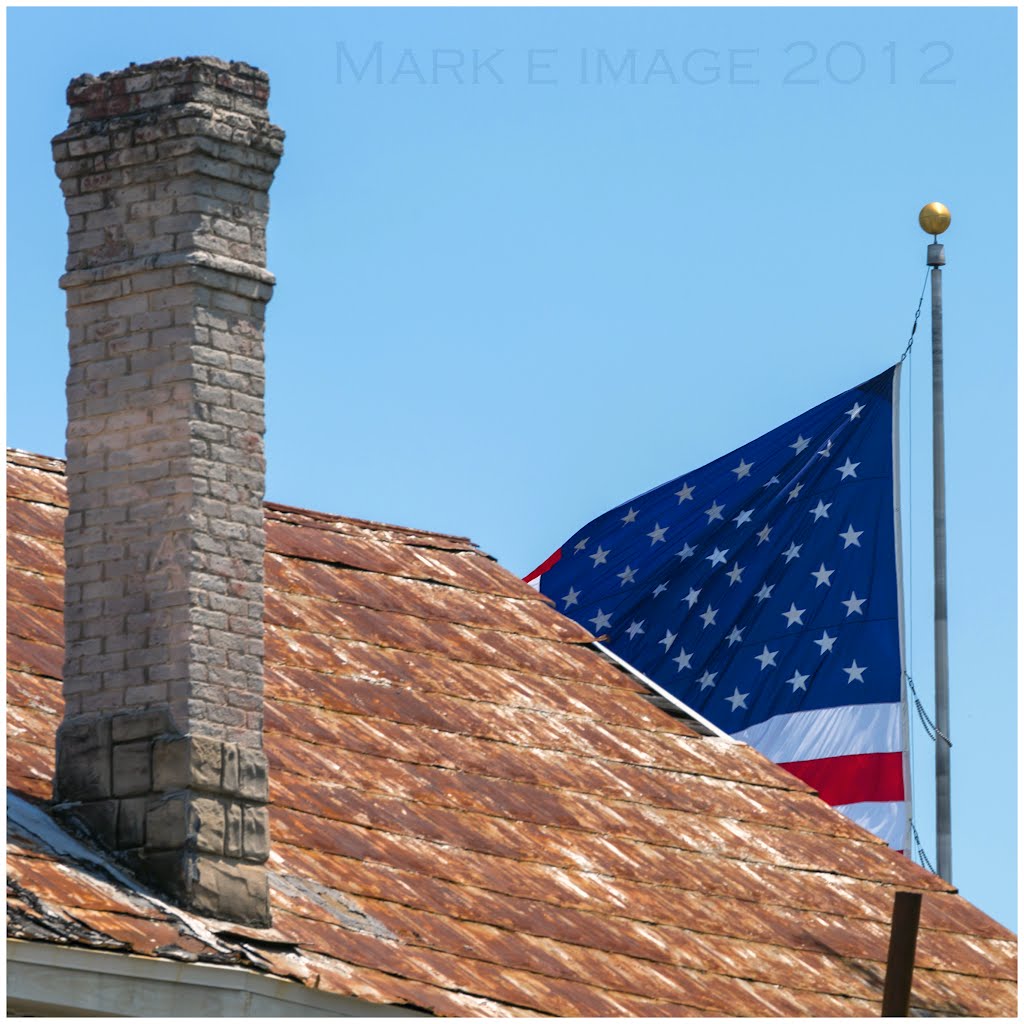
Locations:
763 591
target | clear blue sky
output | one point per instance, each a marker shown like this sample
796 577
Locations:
505 306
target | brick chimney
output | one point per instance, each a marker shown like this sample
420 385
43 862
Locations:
165 170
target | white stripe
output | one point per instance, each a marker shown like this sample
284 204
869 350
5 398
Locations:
887 819
535 582
830 732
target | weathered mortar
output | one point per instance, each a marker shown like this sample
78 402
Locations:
165 170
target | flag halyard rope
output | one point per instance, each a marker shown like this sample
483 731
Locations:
930 727
920 849
917 316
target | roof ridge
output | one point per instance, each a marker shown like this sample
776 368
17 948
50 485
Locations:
372 524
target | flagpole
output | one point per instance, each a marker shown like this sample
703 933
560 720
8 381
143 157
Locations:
934 219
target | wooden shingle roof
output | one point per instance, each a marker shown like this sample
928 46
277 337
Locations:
474 813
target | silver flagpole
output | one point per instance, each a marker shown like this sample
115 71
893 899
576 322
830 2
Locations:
934 219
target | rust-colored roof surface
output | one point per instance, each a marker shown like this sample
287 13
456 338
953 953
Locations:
474 813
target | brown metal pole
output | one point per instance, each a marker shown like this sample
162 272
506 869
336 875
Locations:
899 971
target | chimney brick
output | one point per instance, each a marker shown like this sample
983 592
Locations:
165 170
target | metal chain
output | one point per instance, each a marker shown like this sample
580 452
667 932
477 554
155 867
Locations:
920 849
929 726
917 316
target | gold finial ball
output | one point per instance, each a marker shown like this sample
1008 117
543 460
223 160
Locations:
934 218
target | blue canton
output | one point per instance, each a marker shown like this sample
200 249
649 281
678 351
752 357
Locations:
763 583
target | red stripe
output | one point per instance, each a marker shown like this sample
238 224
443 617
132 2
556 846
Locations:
544 566
853 779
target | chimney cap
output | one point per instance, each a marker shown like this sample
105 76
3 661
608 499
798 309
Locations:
232 85
173 64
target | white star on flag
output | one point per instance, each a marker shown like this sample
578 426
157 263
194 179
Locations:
826 643
657 535
820 511
849 468
798 681
851 536
794 617
738 700
855 672
717 557
682 660
823 576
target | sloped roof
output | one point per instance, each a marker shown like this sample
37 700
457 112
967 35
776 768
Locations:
474 813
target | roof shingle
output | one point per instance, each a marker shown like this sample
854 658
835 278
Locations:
473 812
